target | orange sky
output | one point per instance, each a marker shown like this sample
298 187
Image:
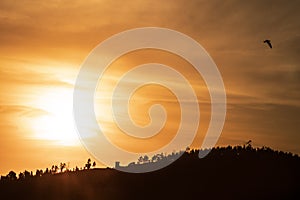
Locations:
42 46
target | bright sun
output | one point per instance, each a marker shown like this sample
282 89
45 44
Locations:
57 123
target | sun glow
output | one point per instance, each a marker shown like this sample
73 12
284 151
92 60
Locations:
57 123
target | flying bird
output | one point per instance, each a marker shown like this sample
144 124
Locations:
269 43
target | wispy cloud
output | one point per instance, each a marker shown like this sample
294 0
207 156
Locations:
22 110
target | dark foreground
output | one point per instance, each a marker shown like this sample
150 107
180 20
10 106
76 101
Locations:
226 173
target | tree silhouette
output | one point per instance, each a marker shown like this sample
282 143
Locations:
154 158
39 173
140 160
88 164
26 174
62 166
54 169
145 159
12 176
21 176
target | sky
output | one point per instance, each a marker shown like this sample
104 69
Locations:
43 44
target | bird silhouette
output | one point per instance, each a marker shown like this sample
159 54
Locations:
269 43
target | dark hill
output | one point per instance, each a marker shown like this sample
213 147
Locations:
226 173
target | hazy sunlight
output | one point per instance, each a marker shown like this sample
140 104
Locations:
58 124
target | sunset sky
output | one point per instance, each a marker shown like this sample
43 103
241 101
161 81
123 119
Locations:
43 44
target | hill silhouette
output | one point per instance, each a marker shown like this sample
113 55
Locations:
239 172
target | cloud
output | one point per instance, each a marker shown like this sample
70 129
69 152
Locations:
19 110
31 78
